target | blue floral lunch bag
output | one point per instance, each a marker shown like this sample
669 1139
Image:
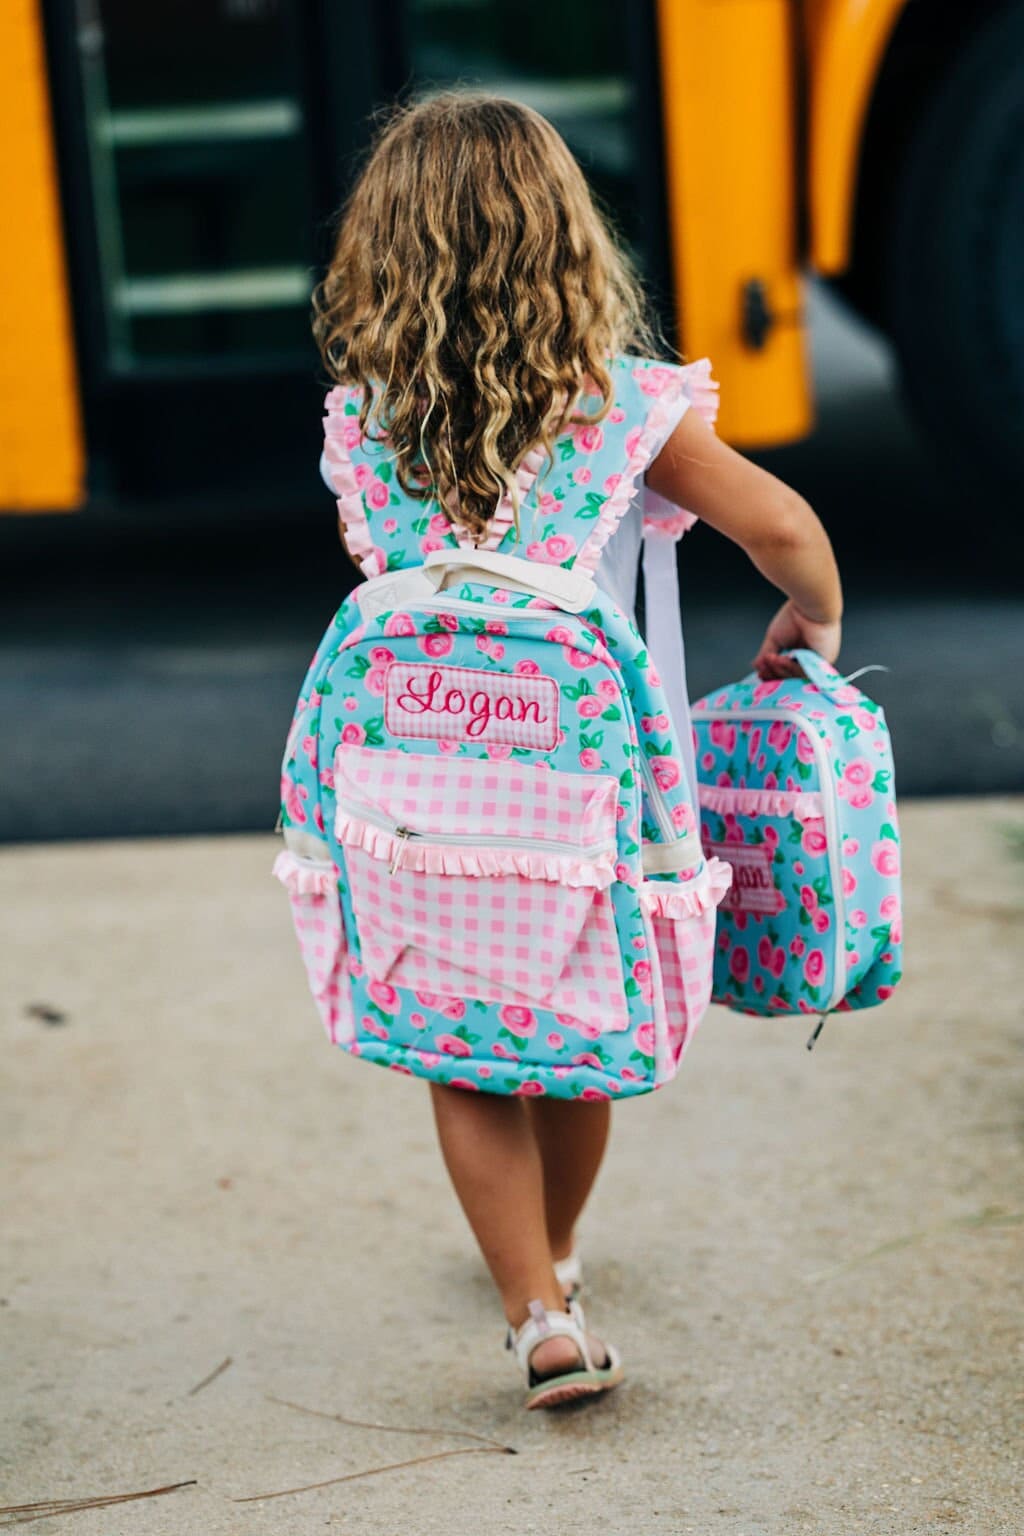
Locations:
796 795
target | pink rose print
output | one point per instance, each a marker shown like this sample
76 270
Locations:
797 947
820 920
497 650
683 818
859 772
483 1071
353 734
555 1041
758 983
384 995
883 993
885 858
526 668
463 1082
723 735
497 1049
417 1021
645 1039
559 547
611 484
439 524
653 677
578 659
429 544
849 882
549 504
518 1021
616 414
452 1007
814 967
309 747
350 434
590 759
375 680
813 840
449 621
779 736
765 690
588 439
435 645
591 1095
377 494
851 847
590 706
318 820
771 836
453 1045
373 1028
531 1089
380 656
429 1058
483 643
808 897
707 761
582 476
607 690
447 747
293 795
364 474
497 751
859 799
632 439
666 772
496 627
399 624
587 1059
739 964
559 635
778 962
804 749
588 1030
859 918
890 908
765 949
390 524
864 718
351 704
754 744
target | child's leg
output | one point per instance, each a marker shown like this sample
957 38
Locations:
494 1162
572 1138
492 1157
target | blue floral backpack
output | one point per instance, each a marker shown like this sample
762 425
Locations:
491 842
796 792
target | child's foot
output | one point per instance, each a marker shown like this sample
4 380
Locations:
559 1359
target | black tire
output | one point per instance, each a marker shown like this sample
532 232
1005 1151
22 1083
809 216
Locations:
954 278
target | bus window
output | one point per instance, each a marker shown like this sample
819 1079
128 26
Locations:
201 180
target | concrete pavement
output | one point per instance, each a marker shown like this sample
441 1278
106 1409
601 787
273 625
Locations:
812 1264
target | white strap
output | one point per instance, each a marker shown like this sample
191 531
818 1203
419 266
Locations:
664 626
569 590
672 858
541 1325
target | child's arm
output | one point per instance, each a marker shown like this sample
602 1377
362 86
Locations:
780 533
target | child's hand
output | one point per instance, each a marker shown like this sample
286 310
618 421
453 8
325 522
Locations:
789 630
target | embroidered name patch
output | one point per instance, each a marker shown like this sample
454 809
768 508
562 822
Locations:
424 701
752 889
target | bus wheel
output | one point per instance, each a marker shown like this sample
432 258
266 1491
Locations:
954 289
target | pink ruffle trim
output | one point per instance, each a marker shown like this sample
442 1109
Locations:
663 898
504 516
351 510
437 859
304 879
805 805
701 390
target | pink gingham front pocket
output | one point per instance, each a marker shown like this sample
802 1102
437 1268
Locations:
487 880
683 917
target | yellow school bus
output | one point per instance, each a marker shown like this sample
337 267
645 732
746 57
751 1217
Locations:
171 169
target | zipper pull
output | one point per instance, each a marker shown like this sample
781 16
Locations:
820 1026
279 823
403 834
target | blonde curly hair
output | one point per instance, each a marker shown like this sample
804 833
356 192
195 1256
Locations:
475 293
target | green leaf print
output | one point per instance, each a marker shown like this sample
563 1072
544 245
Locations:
594 740
880 782
626 778
359 668
632 987
375 731
576 691
592 504
803 915
803 769
849 728
796 832
613 712
396 559
889 831
420 525
384 472
648 1061
566 449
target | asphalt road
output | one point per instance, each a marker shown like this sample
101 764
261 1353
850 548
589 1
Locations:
148 670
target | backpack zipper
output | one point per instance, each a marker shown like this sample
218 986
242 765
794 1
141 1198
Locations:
831 818
406 835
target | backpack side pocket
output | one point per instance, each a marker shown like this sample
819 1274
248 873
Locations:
312 886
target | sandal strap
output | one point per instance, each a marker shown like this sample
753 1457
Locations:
542 1324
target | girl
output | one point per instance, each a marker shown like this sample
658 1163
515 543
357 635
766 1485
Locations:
481 310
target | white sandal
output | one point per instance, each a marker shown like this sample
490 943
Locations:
569 1274
583 1380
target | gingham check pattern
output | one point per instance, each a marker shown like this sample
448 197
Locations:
318 928
437 797
502 939
686 953
463 688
